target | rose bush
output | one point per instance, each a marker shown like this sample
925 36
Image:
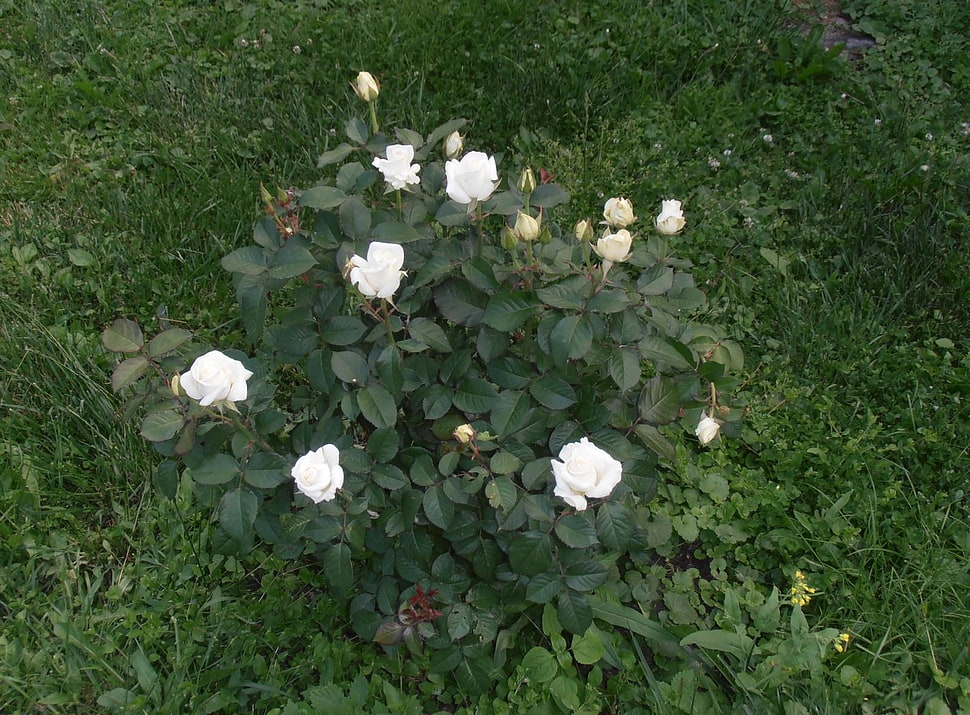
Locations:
450 428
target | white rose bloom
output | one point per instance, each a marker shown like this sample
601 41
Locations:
584 470
707 429
671 219
471 179
366 86
318 474
378 275
614 247
215 377
618 212
453 145
397 168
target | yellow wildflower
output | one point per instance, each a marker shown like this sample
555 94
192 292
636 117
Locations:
801 592
842 642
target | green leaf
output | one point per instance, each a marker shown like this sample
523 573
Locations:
655 441
266 233
660 401
162 425
217 468
614 525
292 260
128 371
574 611
576 532
547 196
237 511
350 367
656 281
510 373
588 648
539 665
323 197
553 392
356 131
342 330
736 644
460 302
543 587
166 479
507 311
569 294
509 412
388 476
383 444
586 575
608 301
439 509
429 333
395 232
571 338
634 621
339 569
501 492
452 214
503 462
122 336
475 396
338 153
480 273
377 405
537 473
167 340
355 219
530 553
624 367
665 350
249 260
251 296
266 471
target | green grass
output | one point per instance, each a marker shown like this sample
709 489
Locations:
133 140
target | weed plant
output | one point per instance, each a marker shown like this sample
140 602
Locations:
828 209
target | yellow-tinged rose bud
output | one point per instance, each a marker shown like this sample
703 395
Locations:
527 181
453 145
366 86
175 384
526 227
464 433
584 230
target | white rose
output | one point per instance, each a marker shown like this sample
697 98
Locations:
526 227
215 377
453 145
397 168
318 474
471 179
614 247
366 86
707 429
618 212
584 470
671 218
378 275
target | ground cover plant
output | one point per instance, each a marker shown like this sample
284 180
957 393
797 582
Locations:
826 209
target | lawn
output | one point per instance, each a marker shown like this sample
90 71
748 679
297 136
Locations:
826 198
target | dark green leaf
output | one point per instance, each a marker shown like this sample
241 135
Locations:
509 412
237 511
349 367
608 301
265 470
323 197
356 131
501 492
377 405
569 294
429 333
166 341
543 587
292 260
665 350
217 468
530 553
438 507
654 440
553 392
614 525
571 338
475 396
339 569
547 196
122 336
355 219
342 330
507 311
585 575
479 271
166 479
251 296
389 477
574 611
338 153
249 260
452 214
383 444
395 232
128 371
460 302
660 401
162 425
576 532
539 665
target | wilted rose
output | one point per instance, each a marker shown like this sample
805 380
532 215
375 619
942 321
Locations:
526 227
618 212
472 178
584 470
671 219
707 429
379 275
453 145
215 378
614 247
318 474
366 86
464 433
397 168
